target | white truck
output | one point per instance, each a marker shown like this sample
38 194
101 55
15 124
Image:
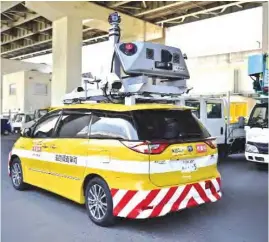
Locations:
19 120
214 113
257 135
257 132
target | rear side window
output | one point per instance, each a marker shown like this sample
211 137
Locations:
112 125
74 126
168 125
213 110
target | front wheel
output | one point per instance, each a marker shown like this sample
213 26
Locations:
99 202
17 175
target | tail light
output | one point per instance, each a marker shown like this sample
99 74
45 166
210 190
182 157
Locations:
211 143
146 147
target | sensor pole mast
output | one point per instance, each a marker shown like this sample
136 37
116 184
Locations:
114 37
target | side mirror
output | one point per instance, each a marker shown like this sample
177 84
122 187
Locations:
247 128
241 121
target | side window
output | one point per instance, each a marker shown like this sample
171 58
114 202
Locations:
27 118
74 126
111 125
45 128
213 110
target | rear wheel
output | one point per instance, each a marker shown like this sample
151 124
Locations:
99 202
17 175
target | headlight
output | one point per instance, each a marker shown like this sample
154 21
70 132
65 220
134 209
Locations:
251 148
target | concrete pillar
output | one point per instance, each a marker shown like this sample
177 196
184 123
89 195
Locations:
265 27
67 57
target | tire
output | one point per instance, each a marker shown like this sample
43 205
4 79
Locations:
102 217
222 151
16 175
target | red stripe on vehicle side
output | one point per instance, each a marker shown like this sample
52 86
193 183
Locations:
201 192
113 191
143 204
123 202
181 197
157 210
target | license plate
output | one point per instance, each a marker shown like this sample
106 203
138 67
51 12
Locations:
188 166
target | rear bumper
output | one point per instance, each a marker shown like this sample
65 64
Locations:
159 202
256 157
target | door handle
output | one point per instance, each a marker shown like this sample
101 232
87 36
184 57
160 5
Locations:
44 146
53 146
221 130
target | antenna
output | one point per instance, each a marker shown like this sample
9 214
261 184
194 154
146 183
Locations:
114 20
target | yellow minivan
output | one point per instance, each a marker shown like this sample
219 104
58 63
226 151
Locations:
138 161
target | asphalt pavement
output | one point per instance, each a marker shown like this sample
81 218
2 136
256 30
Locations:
240 216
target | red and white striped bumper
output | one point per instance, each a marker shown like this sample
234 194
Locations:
143 204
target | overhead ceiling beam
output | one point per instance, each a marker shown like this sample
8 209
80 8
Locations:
27 35
96 17
204 11
25 47
15 14
160 8
49 50
6 15
6 5
130 7
29 17
117 4
95 38
29 55
144 4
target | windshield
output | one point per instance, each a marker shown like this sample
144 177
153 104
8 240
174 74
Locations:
18 118
40 113
259 116
43 112
171 125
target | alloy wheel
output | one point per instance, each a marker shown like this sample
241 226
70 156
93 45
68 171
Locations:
97 202
16 174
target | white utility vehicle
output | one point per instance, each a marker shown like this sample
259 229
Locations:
214 113
257 132
19 120
257 135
